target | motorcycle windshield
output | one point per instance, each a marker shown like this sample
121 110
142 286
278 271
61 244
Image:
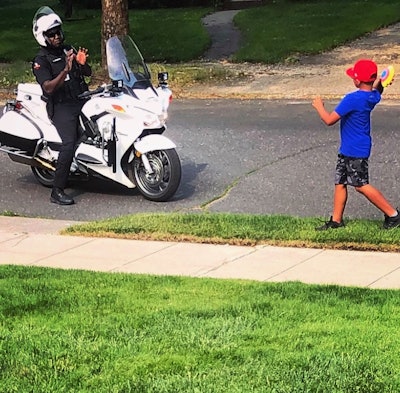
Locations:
125 62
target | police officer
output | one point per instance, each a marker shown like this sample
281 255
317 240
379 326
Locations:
60 71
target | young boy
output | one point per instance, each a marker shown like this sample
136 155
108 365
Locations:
354 113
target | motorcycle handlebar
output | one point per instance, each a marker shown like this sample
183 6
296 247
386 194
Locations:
89 93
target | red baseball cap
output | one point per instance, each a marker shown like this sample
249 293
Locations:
364 71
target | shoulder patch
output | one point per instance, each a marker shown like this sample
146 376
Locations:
36 66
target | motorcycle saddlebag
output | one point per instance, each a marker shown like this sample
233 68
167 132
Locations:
18 131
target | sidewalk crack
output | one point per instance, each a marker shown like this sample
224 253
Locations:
382 277
227 261
295 265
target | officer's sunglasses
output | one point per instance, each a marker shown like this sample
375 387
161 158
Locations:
53 33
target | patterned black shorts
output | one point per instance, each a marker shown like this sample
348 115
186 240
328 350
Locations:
351 171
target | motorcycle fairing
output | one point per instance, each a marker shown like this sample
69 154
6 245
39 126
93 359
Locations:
85 153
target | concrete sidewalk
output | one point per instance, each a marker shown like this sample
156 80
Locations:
28 241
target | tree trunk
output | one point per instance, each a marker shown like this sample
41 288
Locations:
114 21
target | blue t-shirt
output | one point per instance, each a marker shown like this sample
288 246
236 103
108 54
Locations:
355 122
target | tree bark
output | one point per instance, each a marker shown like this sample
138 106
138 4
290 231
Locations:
114 21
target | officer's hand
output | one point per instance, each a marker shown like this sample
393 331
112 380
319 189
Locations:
81 56
69 58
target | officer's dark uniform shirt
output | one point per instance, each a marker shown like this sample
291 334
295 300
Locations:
49 62
63 105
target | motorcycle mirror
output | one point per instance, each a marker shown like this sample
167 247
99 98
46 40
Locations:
162 78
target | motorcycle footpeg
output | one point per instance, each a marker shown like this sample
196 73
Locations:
78 176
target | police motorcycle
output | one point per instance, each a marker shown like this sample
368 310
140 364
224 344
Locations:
121 127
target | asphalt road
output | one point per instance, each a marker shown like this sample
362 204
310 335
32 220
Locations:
258 156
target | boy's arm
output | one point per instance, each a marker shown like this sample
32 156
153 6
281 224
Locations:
378 85
328 118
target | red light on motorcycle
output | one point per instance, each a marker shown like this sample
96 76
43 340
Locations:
118 108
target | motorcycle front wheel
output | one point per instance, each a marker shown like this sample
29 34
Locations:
44 176
162 183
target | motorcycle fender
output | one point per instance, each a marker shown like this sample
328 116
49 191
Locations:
153 142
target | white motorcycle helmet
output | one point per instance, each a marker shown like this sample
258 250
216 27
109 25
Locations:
44 20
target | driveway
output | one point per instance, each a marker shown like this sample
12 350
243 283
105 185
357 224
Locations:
302 77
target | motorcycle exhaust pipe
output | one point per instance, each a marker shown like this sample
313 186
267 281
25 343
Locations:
44 164
17 156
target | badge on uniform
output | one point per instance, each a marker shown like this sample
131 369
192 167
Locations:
36 66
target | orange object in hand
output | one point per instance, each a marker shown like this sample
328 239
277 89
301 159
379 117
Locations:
81 56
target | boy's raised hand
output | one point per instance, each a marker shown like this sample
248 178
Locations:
317 103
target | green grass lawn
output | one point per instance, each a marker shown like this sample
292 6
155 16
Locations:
245 229
169 38
283 29
165 35
76 331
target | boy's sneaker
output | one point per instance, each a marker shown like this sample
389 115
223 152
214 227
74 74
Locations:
330 225
392 222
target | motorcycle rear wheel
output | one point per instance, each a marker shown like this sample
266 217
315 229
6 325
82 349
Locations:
44 176
162 184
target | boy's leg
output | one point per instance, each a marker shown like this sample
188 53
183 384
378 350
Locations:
339 202
339 197
377 199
